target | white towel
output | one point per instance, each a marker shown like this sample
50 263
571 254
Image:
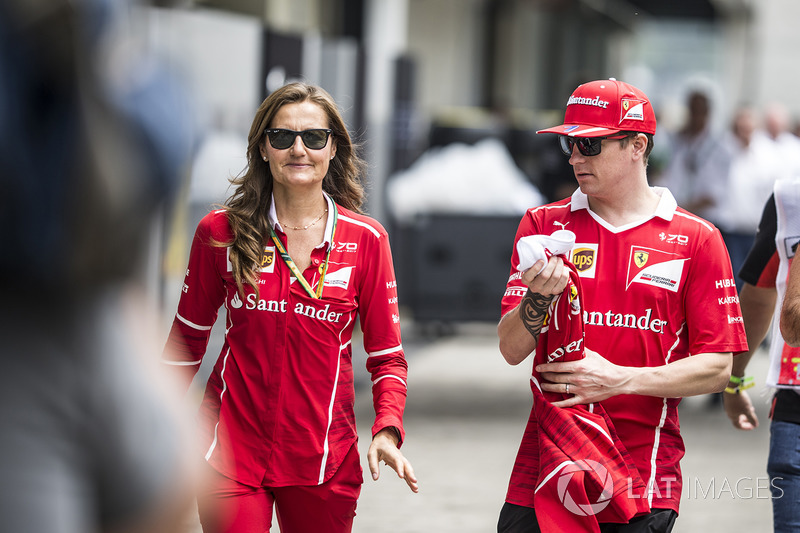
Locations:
541 247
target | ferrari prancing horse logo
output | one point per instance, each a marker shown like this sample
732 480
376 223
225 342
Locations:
640 258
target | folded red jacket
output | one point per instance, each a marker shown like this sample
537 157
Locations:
585 475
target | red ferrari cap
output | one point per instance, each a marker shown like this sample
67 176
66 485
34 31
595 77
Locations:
605 107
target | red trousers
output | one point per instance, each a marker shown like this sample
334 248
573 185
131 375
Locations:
227 506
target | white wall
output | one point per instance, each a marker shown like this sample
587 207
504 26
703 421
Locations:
520 56
778 40
220 55
444 37
668 58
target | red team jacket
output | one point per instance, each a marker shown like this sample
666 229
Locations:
278 406
653 293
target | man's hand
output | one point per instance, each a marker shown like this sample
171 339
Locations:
518 331
547 279
594 378
740 410
590 379
384 448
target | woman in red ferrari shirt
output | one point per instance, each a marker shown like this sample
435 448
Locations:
294 262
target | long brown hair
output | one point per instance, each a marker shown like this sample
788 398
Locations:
248 206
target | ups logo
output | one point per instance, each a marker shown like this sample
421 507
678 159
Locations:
268 258
583 258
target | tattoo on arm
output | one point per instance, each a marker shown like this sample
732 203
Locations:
532 311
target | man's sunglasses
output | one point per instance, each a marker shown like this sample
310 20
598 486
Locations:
588 146
281 139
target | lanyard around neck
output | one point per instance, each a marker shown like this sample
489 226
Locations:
296 271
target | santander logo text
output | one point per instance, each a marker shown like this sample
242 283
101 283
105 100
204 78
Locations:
619 320
596 101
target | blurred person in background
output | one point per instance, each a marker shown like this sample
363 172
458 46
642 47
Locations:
755 165
776 129
662 317
698 163
294 262
771 287
698 170
91 438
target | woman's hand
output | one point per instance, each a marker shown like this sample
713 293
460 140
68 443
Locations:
384 448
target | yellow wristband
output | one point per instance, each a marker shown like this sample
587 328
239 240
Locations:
742 383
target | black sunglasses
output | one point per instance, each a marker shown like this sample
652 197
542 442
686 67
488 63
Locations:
588 146
281 139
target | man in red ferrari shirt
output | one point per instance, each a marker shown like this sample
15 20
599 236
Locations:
661 314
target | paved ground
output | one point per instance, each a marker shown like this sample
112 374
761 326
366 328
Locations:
465 415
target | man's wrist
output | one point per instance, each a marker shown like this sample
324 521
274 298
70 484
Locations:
533 311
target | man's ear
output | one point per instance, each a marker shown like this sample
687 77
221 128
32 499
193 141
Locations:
640 144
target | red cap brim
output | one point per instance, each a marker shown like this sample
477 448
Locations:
580 130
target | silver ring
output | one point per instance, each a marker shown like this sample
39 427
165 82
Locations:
566 391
